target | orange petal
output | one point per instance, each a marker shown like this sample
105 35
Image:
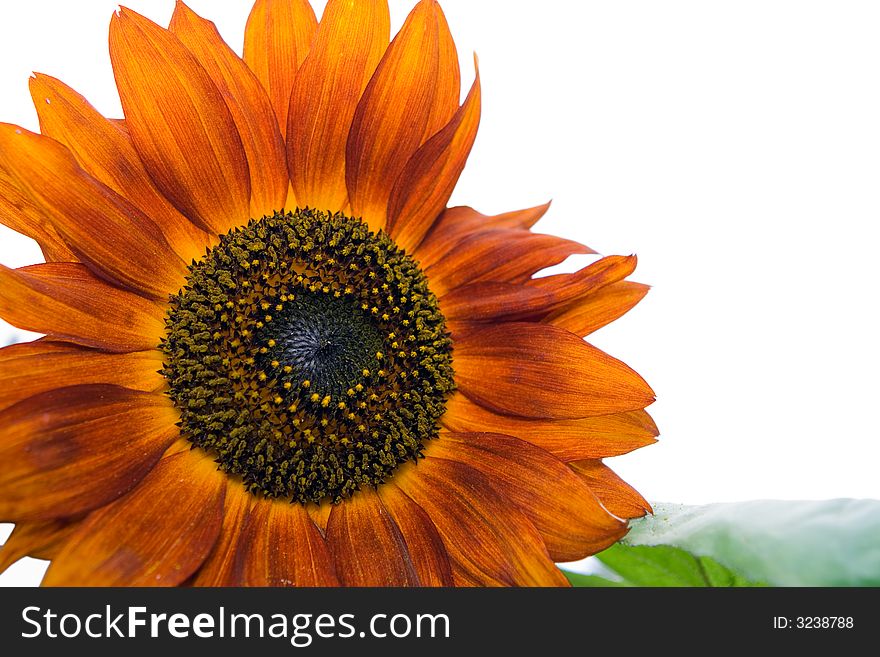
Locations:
179 124
74 449
367 545
23 215
247 101
509 256
569 517
30 368
409 98
277 38
426 183
105 152
491 301
68 302
616 495
568 440
281 546
423 542
541 371
222 568
40 540
588 280
537 297
459 222
490 542
320 514
105 231
596 310
157 535
325 94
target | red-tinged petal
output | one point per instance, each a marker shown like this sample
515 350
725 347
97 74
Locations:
459 222
490 301
281 546
423 541
508 256
408 100
490 542
23 215
426 183
66 301
157 535
591 278
541 371
30 368
105 231
325 94
222 567
104 150
594 311
74 449
39 539
561 507
277 38
247 101
367 546
568 440
616 495
179 124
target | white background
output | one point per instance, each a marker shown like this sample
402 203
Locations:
734 146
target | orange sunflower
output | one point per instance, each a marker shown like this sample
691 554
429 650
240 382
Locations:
273 356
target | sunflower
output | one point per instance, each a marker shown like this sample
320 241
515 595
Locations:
273 356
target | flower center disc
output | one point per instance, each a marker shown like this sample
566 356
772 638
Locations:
308 354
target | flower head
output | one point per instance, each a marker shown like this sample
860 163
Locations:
273 355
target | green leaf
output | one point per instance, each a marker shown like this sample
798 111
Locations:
660 565
591 581
782 543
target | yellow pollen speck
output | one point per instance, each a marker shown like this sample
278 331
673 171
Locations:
278 400
262 376
326 401
288 385
268 318
275 363
288 369
263 350
380 355
279 307
271 343
366 372
315 397
359 387
265 305
306 383
324 422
